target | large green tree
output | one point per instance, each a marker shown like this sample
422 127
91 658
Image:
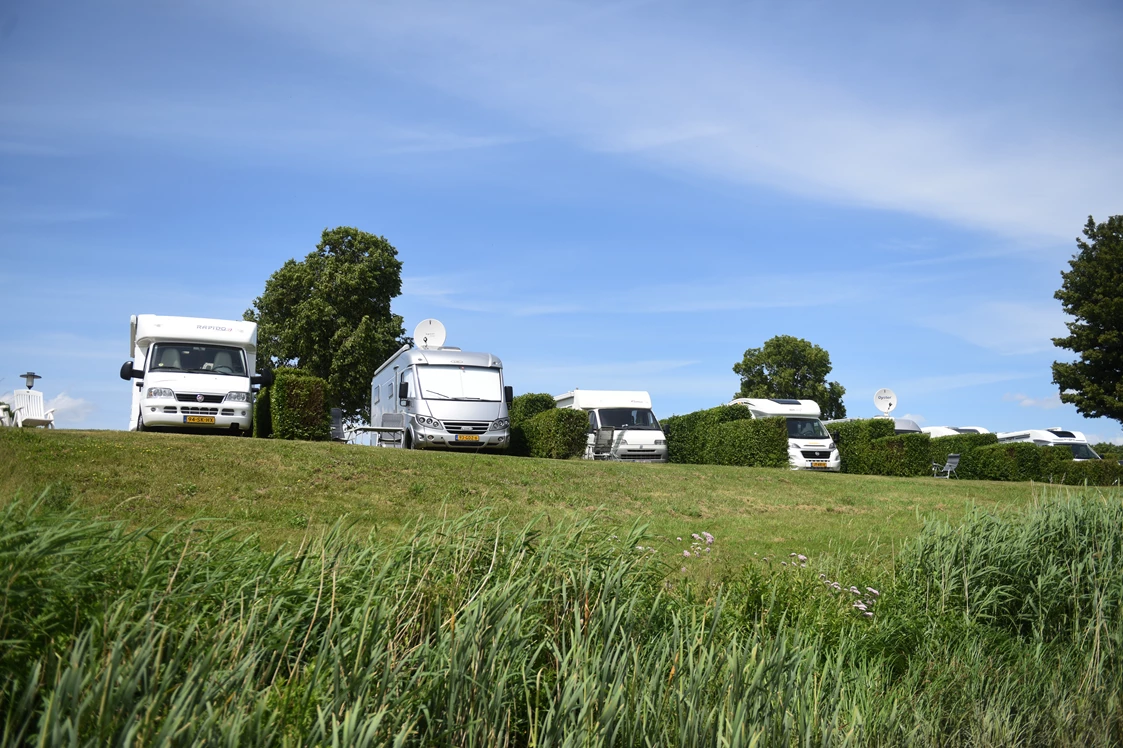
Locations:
790 367
1092 292
330 314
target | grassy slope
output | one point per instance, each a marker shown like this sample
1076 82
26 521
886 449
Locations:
284 489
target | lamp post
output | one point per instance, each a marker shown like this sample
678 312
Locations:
30 378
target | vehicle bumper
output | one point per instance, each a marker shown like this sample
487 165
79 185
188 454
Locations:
831 465
169 414
428 438
641 453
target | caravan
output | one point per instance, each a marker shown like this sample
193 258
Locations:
810 446
192 374
1073 440
637 436
449 398
937 431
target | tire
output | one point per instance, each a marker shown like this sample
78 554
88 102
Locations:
139 423
408 439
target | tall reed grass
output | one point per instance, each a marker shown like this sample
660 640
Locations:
1000 631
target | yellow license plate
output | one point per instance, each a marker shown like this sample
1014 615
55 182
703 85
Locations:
198 419
818 464
467 438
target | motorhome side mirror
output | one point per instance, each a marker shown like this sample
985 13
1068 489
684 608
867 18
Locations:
834 436
264 378
508 395
128 372
403 390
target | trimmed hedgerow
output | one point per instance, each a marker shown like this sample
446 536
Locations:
300 406
262 415
962 445
1092 472
855 442
558 433
689 436
523 408
750 443
905 455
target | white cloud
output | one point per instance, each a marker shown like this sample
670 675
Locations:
1006 327
943 383
70 410
1049 402
733 104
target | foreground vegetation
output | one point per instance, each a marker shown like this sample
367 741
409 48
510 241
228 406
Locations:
1003 630
285 490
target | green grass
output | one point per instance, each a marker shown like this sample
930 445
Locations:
285 491
1002 630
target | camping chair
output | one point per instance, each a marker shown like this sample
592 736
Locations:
604 444
947 469
337 434
393 431
28 409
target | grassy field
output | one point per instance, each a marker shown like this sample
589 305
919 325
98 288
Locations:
284 491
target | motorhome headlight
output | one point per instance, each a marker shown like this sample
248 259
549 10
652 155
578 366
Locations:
155 392
660 442
499 424
237 397
830 445
427 421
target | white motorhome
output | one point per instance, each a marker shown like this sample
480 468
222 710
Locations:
1073 440
192 374
810 446
452 399
637 435
937 431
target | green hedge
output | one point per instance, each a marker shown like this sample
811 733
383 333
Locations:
750 443
855 443
300 406
905 455
1022 461
559 433
523 408
962 445
689 436
262 415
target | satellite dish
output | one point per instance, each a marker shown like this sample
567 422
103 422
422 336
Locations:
429 333
885 400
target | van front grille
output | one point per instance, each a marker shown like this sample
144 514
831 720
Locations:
466 427
811 455
198 411
191 397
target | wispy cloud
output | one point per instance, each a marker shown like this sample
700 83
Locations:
70 411
1049 402
1006 327
946 382
734 107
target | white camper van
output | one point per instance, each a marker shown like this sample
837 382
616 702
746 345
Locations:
810 446
451 399
937 431
637 436
1073 440
192 374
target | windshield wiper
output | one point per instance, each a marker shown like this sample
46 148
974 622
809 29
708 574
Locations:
438 394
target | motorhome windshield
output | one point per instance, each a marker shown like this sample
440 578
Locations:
459 383
1081 451
192 357
806 428
636 419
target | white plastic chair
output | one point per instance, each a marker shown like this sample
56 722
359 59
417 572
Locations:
28 409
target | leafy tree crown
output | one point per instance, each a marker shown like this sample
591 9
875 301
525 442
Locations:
1092 293
790 367
330 314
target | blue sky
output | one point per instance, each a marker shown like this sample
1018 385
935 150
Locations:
606 195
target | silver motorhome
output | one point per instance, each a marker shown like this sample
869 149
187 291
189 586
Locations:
452 399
